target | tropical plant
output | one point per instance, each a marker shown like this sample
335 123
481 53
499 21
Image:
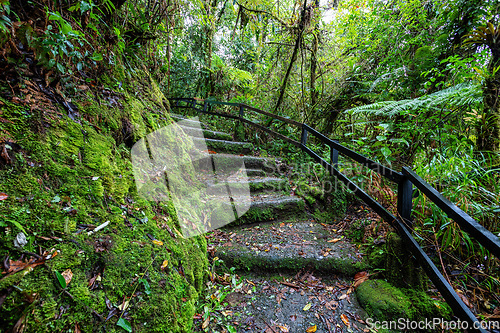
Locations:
489 130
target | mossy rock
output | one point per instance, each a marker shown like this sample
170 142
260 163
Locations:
401 267
384 302
326 203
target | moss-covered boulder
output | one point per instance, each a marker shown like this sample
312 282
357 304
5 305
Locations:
384 302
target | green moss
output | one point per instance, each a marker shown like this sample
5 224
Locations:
356 230
239 131
326 202
401 268
244 259
229 146
376 255
383 301
81 173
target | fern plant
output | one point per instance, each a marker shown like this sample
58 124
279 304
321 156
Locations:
455 97
5 22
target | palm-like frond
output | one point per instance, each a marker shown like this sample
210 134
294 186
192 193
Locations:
460 95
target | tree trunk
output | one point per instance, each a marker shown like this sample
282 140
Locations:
294 57
488 130
488 138
314 61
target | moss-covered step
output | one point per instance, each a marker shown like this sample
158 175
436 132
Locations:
268 184
256 185
286 247
187 122
207 133
255 173
224 146
227 163
384 302
271 207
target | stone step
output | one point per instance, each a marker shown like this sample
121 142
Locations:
219 184
223 146
187 122
268 303
268 184
270 207
228 163
256 173
207 134
286 247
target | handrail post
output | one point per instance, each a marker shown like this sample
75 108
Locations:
334 157
303 137
242 108
205 106
405 196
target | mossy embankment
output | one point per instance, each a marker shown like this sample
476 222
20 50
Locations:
65 175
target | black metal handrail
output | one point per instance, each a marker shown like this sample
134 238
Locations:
405 181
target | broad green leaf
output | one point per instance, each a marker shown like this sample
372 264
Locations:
386 152
60 68
65 28
97 57
61 279
124 323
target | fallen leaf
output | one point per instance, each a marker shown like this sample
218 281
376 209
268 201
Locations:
67 275
345 320
342 296
205 323
463 298
307 307
311 329
3 196
164 265
283 328
359 278
335 240
123 306
157 242
92 280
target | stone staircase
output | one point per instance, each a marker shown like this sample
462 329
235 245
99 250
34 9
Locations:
280 248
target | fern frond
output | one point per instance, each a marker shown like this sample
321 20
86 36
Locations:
460 95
